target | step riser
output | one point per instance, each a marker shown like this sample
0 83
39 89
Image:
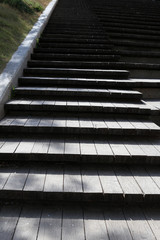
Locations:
90 31
76 45
79 131
93 65
78 83
112 84
76 158
75 57
75 35
74 73
76 109
74 51
46 197
73 40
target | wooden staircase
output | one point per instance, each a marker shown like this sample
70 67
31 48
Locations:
79 152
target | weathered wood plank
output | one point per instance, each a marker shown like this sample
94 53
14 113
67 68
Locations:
54 180
61 122
72 146
116 224
154 172
138 225
127 181
87 147
32 122
72 179
119 149
35 180
25 146
109 181
56 146
153 217
16 179
45 122
27 227
103 148
72 122
90 180
10 146
41 146
95 227
72 227
134 149
144 180
8 219
50 224
4 175
20 121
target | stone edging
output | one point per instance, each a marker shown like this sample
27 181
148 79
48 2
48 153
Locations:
14 68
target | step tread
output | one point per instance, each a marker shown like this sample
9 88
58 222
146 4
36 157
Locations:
84 179
137 108
154 105
75 222
54 91
111 150
79 125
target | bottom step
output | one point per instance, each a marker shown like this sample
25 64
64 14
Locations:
81 223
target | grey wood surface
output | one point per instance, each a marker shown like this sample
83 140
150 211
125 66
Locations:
73 226
54 180
28 223
109 180
126 180
35 180
95 227
72 179
25 146
139 227
9 217
50 224
116 224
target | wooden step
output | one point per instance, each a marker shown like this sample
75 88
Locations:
153 34
73 40
73 72
91 83
51 107
78 126
63 50
134 44
76 93
154 105
75 35
122 150
76 45
74 221
81 183
75 57
93 65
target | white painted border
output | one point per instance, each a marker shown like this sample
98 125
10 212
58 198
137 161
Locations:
14 68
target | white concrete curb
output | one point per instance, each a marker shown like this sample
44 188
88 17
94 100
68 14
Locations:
14 68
